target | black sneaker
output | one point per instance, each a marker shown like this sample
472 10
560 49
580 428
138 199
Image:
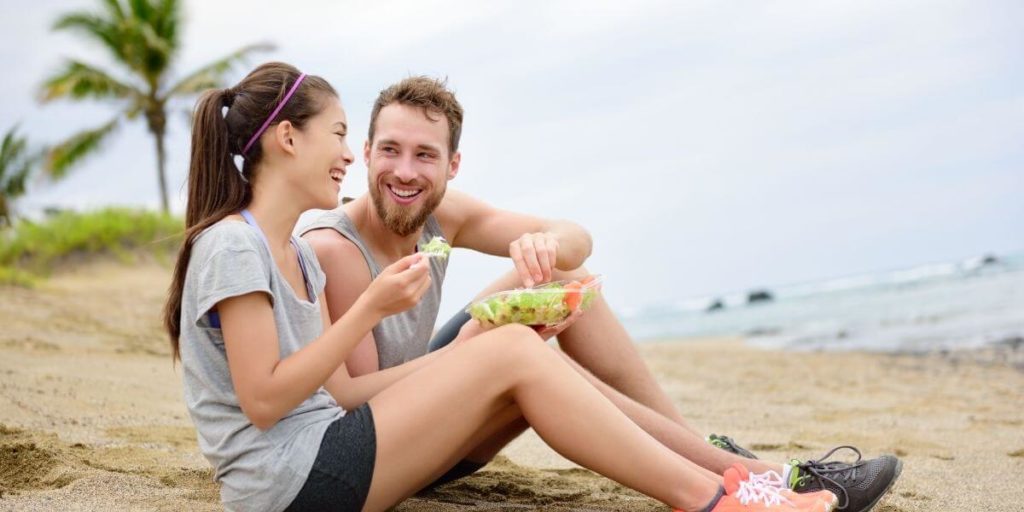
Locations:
726 443
859 484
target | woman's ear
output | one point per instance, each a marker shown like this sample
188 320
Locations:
284 137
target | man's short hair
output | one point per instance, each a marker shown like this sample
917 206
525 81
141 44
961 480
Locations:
429 94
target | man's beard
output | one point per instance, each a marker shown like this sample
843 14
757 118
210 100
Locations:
404 221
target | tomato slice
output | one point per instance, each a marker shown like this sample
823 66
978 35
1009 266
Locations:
573 296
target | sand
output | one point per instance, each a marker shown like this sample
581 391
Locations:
91 416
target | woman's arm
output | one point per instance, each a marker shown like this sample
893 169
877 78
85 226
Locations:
351 392
268 387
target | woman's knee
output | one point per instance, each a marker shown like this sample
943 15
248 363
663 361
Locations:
514 343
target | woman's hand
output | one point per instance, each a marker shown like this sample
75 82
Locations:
398 287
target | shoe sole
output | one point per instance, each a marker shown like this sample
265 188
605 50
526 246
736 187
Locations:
895 476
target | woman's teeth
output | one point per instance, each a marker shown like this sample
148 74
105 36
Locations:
336 175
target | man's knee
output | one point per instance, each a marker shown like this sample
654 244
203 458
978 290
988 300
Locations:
563 275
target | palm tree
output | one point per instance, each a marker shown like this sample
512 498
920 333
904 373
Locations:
16 164
142 36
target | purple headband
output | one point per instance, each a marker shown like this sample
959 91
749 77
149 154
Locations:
274 114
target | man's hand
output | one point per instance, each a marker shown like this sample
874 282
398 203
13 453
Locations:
551 331
534 255
473 328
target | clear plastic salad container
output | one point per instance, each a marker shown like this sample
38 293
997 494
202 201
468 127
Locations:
543 305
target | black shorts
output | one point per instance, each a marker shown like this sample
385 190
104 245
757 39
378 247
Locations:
341 474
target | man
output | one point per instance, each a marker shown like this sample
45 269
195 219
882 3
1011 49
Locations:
411 154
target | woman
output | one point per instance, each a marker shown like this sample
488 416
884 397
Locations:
258 355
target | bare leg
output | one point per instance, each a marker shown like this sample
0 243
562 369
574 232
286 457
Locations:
420 434
712 460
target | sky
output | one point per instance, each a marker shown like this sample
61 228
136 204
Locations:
707 146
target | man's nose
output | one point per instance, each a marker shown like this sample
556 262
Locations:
405 171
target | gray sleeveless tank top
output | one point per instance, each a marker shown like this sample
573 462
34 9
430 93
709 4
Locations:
404 336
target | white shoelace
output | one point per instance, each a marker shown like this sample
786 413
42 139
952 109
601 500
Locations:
770 478
762 488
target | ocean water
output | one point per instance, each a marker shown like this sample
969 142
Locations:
965 304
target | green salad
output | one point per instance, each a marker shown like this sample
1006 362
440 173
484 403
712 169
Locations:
437 247
543 305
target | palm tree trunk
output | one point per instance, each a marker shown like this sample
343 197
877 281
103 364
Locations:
5 216
161 174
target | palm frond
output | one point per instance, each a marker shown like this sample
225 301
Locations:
79 80
15 183
114 9
16 165
12 149
60 159
167 21
106 32
212 74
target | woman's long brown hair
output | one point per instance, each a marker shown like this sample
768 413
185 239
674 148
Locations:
216 186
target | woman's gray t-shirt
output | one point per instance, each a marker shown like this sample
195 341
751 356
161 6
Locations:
257 470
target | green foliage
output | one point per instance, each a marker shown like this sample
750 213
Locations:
30 249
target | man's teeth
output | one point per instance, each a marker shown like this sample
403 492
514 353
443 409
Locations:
404 193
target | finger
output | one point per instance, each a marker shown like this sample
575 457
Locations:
569 320
547 333
552 244
413 277
403 264
544 259
529 250
517 260
422 289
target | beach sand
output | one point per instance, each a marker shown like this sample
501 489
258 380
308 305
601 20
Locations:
91 415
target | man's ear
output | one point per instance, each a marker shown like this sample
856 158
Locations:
284 136
453 166
366 153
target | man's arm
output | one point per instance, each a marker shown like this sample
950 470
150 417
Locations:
348 276
535 244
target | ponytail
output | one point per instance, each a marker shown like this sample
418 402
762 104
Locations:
216 189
